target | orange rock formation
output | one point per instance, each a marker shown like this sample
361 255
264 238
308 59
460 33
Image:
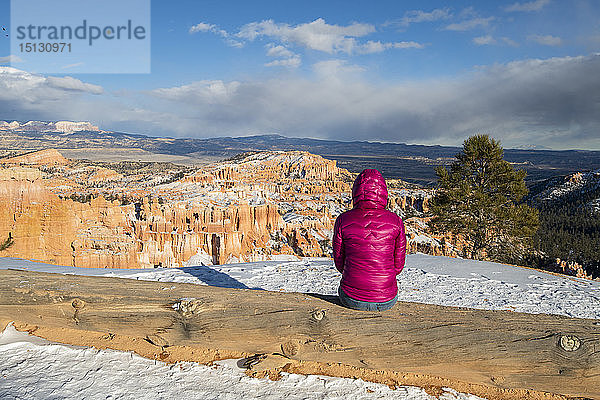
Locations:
41 157
248 209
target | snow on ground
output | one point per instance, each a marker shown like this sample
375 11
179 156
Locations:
33 368
425 279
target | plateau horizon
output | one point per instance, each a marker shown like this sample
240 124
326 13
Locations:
92 126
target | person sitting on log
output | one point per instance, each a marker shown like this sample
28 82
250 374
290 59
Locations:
369 247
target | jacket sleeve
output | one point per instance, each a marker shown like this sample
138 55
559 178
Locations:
338 245
400 250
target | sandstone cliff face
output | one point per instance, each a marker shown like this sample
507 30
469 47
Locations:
254 208
417 200
283 166
19 174
42 157
106 234
71 127
40 224
171 235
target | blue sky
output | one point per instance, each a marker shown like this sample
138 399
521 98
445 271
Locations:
430 72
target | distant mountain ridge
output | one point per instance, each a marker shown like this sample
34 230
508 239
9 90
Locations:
413 163
43 126
531 147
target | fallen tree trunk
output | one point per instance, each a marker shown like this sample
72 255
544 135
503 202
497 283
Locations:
496 354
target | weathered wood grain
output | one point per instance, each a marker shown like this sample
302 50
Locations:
495 348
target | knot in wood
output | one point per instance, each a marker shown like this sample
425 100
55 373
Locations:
569 342
289 349
78 304
318 314
188 307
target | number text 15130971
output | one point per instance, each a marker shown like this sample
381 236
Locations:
45 47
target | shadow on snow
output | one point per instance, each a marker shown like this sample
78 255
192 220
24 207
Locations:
213 277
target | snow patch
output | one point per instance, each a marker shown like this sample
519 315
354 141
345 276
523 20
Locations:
425 279
33 368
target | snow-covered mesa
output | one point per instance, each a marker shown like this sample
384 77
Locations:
41 126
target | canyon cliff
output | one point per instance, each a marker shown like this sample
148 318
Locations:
257 206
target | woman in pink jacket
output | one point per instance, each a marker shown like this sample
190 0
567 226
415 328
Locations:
369 246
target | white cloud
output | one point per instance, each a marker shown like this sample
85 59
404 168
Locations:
484 40
212 28
210 91
278 51
378 47
469 24
510 101
203 27
287 58
28 96
416 16
468 12
72 84
10 59
34 87
528 6
72 65
509 41
546 40
488 40
405 45
336 70
292 62
315 35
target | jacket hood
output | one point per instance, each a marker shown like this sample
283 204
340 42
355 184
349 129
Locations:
369 190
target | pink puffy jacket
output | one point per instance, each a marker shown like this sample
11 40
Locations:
369 243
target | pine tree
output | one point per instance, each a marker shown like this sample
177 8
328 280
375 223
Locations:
479 198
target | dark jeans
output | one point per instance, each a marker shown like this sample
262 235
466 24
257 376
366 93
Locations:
354 304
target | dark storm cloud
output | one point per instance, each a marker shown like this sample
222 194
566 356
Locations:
553 102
